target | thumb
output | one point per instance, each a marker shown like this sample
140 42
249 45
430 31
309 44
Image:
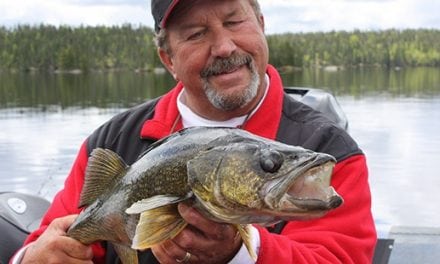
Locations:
63 223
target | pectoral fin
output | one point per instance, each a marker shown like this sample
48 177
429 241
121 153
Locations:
126 254
245 234
154 202
157 225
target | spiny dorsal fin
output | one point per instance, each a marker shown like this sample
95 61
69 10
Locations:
104 168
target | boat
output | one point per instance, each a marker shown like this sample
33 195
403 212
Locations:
20 214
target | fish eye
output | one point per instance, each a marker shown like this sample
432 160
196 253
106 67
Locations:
271 161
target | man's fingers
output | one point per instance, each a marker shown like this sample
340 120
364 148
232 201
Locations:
76 249
70 246
209 228
194 218
62 224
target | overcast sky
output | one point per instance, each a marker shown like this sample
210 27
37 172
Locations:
280 15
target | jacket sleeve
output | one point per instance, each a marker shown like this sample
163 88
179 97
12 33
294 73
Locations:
66 201
345 235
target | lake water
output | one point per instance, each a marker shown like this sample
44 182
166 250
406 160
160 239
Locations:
393 115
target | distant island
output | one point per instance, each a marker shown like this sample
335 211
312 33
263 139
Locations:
128 47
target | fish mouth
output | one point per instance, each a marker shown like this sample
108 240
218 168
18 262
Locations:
308 193
312 191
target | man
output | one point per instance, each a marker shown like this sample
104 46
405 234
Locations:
217 51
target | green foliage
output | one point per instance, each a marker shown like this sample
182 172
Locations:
390 48
85 48
48 47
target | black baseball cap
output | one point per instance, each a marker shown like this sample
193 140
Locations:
161 10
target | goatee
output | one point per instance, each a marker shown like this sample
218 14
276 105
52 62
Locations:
229 102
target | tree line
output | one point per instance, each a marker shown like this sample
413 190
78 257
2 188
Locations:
388 48
47 47
65 48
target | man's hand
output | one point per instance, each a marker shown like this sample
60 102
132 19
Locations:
53 246
205 241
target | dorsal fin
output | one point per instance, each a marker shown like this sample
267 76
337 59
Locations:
104 168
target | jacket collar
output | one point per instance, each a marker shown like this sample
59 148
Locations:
264 122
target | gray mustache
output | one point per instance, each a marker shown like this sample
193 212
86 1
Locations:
222 65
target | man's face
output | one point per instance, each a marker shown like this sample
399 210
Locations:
219 52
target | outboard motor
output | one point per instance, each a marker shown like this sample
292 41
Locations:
320 100
20 214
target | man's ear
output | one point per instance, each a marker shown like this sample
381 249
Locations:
261 20
167 61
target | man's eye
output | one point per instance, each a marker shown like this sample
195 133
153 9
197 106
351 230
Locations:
195 35
233 22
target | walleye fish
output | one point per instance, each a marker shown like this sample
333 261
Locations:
231 175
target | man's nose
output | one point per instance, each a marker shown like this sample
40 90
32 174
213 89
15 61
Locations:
223 45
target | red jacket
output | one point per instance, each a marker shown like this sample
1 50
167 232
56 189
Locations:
345 235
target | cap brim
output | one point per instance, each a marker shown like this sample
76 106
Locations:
168 13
